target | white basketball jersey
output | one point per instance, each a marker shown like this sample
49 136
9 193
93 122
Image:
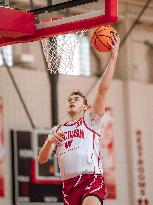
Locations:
79 152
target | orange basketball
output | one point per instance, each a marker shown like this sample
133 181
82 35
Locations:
101 36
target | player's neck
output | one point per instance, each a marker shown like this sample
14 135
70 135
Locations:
76 117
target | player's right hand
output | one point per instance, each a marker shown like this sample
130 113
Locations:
56 138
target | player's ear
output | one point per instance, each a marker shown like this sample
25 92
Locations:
85 107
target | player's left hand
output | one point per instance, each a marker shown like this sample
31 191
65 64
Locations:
114 45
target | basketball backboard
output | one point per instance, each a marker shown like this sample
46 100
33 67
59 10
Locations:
54 17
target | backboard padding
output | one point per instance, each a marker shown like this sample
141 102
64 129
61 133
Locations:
47 27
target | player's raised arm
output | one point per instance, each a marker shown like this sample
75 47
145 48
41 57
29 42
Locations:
100 98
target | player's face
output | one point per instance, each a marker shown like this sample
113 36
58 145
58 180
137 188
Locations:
75 104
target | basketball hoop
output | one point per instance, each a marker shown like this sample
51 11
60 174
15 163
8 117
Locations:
59 51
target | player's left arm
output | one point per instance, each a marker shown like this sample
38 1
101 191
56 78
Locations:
105 82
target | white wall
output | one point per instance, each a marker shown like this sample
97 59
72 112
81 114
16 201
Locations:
34 88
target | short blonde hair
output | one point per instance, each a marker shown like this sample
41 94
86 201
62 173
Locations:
77 92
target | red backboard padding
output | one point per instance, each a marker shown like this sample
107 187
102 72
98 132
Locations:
110 16
16 23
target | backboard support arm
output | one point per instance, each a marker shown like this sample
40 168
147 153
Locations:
60 6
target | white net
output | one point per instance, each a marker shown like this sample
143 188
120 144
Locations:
59 51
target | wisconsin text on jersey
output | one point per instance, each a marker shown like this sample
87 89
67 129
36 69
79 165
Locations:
69 135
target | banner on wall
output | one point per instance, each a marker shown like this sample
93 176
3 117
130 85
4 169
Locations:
142 198
2 153
108 158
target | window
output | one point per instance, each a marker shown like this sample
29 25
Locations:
7 51
76 50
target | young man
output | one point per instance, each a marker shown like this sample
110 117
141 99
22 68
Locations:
76 143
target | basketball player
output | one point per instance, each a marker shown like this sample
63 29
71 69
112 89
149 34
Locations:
76 143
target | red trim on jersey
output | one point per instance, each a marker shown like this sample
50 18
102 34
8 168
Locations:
66 124
90 128
58 128
93 140
98 158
